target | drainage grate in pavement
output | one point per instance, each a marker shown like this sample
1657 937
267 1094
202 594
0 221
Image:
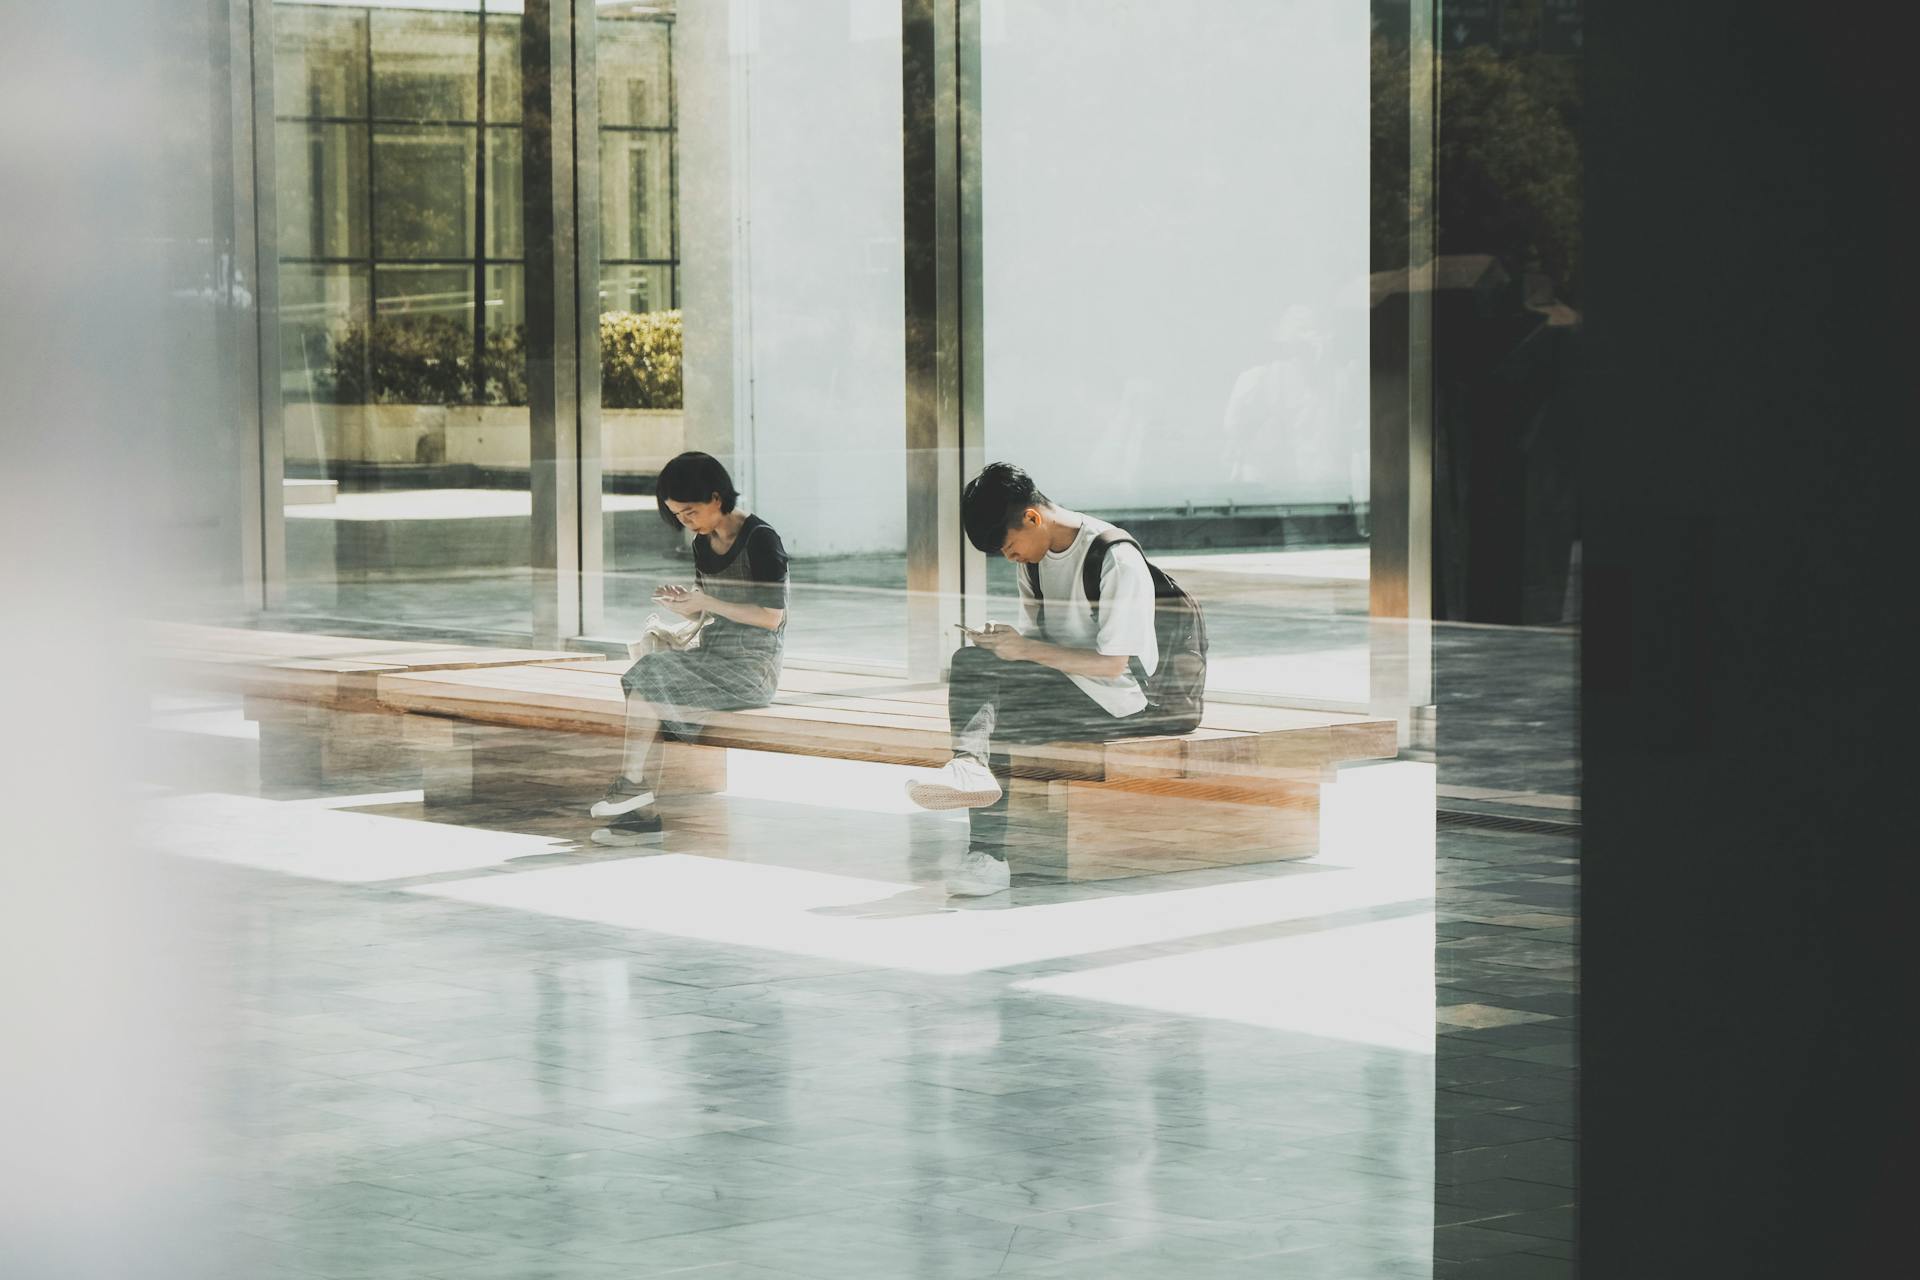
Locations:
1503 822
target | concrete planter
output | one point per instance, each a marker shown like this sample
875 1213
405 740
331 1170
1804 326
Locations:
494 437
491 437
640 441
374 433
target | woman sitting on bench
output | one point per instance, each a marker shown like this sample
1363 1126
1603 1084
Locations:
727 656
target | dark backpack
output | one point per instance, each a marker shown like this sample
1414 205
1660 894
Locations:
1176 691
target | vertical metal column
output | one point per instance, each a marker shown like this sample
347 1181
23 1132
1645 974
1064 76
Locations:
255 272
930 115
553 334
586 283
973 364
1401 489
478 289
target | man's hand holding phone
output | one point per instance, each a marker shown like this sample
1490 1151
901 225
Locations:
996 638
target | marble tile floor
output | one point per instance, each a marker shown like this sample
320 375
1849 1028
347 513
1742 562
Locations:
478 1046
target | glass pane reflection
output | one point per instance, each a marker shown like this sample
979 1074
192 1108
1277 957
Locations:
636 195
633 68
321 187
320 61
424 198
426 66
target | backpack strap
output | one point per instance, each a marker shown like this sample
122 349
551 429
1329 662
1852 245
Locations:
1090 570
1096 561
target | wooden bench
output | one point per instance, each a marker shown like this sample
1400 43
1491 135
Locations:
312 694
1244 787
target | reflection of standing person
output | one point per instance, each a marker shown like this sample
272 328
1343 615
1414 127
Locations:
1283 419
739 597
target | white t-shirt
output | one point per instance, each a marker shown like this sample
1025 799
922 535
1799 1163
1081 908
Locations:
1126 624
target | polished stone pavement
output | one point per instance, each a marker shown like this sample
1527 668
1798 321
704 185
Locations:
472 1044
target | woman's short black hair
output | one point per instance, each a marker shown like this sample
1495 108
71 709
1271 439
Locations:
995 501
693 477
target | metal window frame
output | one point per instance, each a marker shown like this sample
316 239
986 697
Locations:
1400 565
941 301
943 421
559 550
561 180
256 249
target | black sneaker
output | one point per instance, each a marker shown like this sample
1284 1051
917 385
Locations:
631 829
624 796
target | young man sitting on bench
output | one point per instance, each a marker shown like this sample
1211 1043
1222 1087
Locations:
1065 673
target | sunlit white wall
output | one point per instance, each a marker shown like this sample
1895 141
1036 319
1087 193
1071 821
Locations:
800 197
1176 248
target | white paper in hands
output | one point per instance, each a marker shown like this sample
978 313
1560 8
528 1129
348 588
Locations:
662 633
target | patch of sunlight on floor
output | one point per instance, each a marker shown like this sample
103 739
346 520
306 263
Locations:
1338 675
319 843
1379 815
804 912
366 800
1368 983
832 784
212 722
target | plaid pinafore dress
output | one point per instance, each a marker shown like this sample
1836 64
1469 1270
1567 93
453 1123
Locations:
735 667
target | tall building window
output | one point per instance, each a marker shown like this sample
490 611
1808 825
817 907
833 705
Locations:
400 263
640 242
400 175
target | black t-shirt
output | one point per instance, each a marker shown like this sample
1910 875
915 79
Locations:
751 571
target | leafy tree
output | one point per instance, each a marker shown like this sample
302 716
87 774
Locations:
1508 164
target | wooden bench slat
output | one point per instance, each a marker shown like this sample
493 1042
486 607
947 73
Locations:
270 644
563 696
854 716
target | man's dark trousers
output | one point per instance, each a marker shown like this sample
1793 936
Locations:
1028 703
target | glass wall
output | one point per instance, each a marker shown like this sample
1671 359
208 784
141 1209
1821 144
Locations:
1175 249
641 364
398 233
750 290
1170 262
1178 327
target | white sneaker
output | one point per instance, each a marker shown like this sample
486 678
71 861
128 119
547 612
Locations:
962 783
978 875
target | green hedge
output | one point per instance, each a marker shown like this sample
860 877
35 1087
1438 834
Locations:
429 360
640 360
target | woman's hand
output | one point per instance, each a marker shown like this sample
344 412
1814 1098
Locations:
688 602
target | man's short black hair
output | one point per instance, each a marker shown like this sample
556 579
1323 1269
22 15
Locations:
693 477
995 501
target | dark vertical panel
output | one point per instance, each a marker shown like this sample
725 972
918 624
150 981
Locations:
1748 1101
